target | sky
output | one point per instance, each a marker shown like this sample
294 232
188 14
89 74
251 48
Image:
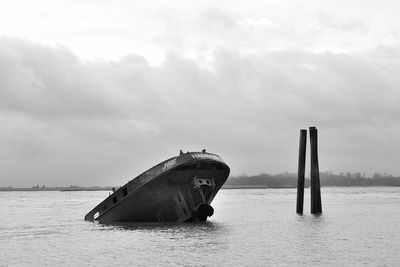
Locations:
96 92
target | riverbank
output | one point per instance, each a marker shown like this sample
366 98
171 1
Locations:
39 189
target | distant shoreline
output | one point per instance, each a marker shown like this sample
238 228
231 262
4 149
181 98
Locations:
109 188
63 189
264 180
257 186
67 189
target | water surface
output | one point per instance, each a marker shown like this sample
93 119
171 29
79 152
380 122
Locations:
251 227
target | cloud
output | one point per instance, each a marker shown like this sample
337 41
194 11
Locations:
66 121
216 22
328 22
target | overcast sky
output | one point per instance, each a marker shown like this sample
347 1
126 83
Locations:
96 92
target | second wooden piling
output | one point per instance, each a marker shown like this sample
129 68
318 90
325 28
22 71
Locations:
316 206
301 171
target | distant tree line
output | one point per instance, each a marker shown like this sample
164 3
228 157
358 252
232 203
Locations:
265 179
356 179
327 179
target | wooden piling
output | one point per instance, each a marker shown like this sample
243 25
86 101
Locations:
301 171
316 206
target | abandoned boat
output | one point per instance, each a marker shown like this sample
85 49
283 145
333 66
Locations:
178 189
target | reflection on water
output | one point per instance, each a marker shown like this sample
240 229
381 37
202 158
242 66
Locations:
312 218
164 226
250 227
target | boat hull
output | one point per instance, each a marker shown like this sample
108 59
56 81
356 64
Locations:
179 189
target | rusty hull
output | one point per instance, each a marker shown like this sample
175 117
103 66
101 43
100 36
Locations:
178 189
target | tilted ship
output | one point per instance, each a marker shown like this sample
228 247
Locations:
179 189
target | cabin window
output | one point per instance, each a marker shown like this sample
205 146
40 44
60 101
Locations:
179 198
115 199
184 211
124 191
